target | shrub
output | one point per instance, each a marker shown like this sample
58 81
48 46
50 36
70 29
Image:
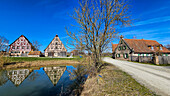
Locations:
3 60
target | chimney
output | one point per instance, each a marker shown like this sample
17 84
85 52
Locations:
121 37
22 35
56 35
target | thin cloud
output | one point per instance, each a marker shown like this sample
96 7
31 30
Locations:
151 21
155 11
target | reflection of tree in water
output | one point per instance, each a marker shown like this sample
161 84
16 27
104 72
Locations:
18 76
3 77
79 76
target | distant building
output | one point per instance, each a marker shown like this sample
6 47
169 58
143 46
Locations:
55 48
138 47
75 53
35 54
20 47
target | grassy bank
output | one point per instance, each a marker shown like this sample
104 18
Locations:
114 82
21 59
26 62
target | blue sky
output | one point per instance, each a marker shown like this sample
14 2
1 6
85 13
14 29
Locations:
42 19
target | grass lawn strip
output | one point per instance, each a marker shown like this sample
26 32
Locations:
114 82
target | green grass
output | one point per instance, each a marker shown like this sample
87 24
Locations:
115 82
20 59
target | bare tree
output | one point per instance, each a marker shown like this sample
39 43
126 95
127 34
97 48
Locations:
36 45
98 22
3 43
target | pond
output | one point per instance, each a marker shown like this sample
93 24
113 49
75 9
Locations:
44 81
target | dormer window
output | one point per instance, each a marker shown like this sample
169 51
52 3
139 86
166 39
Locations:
160 48
152 47
121 42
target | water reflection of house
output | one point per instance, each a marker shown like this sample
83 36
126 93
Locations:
18 76
54 73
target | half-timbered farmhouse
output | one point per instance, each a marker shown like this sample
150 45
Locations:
20 47
128 48
55 48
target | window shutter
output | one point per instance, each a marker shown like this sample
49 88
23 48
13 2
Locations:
127 56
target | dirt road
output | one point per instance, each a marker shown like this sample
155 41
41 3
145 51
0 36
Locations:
156 78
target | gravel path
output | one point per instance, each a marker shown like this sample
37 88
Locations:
156 78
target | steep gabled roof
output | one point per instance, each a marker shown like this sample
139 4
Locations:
142 46
51 42
26 39
114 47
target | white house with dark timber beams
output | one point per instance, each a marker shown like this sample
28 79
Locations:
55 48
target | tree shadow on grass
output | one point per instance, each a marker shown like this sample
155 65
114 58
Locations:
11 63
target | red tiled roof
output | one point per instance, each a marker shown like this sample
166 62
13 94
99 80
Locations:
34 53
114 47
142 46
74 51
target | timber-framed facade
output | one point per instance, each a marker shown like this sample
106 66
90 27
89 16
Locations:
55 48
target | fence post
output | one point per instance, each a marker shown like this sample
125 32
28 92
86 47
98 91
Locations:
156 60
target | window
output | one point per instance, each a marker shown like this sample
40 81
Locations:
56 47
13 47
28 47
17 47
23 47
166 54
124 47
56 39
51 47
152 47
121 42
56 43
160 48
117 55
125 55
119 48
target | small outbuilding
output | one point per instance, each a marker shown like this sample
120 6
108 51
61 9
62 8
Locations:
34 54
